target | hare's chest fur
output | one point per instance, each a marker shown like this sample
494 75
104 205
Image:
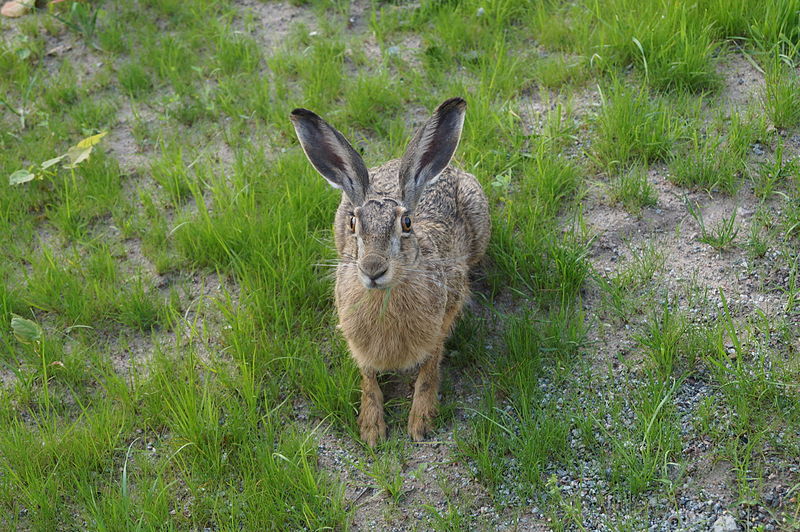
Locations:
391 331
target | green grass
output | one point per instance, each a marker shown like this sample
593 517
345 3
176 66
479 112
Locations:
633 128
710 163
661 339
772 175
633 191
171 172
672 45
781 97
237 53
641 456
189 373
134 79
625 293
722 235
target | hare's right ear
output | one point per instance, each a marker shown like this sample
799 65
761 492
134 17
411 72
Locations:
331 154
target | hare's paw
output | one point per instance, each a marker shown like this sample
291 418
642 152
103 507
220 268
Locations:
371 424
420 419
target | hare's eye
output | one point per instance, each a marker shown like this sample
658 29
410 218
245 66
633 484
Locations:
405 223
353 224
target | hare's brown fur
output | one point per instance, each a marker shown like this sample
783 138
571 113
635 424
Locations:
402 330
399 291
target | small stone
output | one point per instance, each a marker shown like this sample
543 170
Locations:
15 8
725 523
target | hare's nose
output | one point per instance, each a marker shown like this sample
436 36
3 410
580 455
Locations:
373 266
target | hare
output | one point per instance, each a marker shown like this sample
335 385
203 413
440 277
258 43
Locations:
406 233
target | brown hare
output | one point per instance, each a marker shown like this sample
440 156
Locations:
406 233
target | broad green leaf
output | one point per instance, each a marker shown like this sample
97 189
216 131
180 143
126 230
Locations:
77 155
50 162
81 151
88 142
26 331
20 176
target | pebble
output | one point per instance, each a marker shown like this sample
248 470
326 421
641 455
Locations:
725 523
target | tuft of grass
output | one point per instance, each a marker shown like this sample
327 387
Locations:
632 190
662 338
141 308
744 130
559 128
556 71
171 59
134 79
86 292
674 52
372 99
534 184
386 471
771 175
237 53
317 68
243 96
722 236
113 37
63 91
781 97
708 163
672 43
80 18
774 26
642 456
622 292
757 242
172 172
633 128
451 518
526 429
94 114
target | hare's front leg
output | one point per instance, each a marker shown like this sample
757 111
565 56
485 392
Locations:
426 397
370 417
425 404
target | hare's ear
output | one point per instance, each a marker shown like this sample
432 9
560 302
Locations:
431 149
331 154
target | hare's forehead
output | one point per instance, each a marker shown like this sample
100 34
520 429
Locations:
378 213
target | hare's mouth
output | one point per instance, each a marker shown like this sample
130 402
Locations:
379 282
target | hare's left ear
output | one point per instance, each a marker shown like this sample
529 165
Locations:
431 149
331 154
